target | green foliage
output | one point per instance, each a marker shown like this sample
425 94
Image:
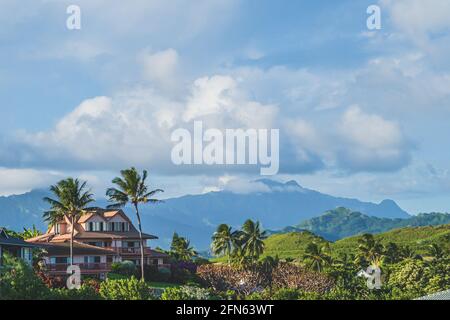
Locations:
126 289
317 256
125 268
419 277
186 293
286 294
181 248
19 282
86 292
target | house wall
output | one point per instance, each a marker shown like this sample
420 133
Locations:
117 218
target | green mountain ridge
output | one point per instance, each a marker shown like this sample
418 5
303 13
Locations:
342 223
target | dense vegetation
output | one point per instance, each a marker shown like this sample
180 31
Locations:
341 223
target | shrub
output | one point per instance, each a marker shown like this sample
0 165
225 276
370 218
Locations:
126 268
18 281
86 292
183 271
126 289
153 273
286 294
186 293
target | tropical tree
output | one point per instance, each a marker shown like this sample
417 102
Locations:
392 253
71 200
181 248
370 250
29 233
435 251
132 188
408 253
252 239
317 256
222 243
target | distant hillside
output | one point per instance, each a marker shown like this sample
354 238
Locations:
292 245
341 223
418 238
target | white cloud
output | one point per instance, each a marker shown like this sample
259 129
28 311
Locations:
160 67
419 18
369 142
18 181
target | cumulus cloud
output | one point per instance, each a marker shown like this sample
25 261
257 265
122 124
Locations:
160 67
18 181
370 142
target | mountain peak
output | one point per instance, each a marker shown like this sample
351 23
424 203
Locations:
273 184
292 183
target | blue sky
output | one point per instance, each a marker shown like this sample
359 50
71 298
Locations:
361 113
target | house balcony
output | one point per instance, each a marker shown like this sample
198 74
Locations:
130 250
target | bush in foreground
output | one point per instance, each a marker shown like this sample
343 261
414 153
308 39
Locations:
186 293
125 289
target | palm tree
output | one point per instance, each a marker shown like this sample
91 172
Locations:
391 253
132 188
223 240
318 256
181 248
435 251
370 250
408 253
252 239
71 201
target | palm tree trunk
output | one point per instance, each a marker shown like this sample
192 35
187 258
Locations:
71 240
141 242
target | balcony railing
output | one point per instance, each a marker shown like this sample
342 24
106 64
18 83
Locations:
84 267
130 250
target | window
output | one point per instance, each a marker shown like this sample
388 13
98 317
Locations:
27 254
95 226
92 259
59 260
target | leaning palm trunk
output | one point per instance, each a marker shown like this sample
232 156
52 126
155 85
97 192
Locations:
141 242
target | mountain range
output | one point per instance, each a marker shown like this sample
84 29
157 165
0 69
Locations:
196 216
342 222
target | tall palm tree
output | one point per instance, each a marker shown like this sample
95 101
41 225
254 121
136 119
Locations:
71 200
181 248
223 241
132 188
435 251
370 250
252 239
317 256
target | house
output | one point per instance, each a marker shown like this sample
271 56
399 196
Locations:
101 237
15 247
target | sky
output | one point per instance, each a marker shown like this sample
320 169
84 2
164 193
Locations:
362 113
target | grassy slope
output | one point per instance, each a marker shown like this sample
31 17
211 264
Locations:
418 238
290 245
